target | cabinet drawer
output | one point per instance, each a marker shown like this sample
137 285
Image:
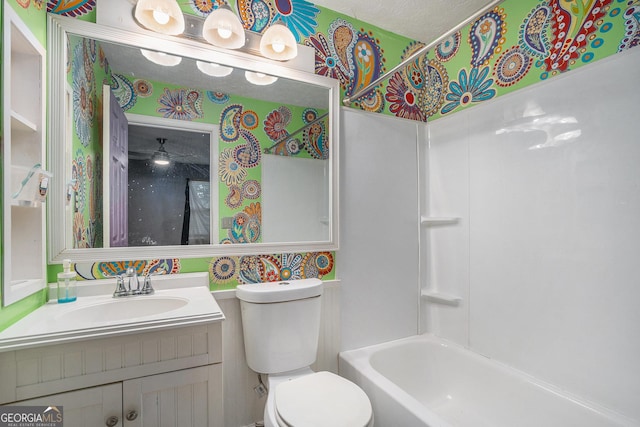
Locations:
52 369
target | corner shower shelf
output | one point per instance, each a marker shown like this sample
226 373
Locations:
441 298
438 220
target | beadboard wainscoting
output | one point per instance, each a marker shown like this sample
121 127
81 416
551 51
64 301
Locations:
168 377
242 406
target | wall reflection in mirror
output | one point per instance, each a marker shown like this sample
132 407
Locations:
245 163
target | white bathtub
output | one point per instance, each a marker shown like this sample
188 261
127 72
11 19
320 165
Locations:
426 381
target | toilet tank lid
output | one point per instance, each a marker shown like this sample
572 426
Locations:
284 290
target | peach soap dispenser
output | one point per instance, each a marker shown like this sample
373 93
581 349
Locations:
66 283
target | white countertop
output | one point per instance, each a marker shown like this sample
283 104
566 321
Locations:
178 301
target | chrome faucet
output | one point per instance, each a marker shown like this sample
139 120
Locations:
132 285
132 276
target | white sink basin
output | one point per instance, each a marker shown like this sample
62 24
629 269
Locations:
125 308
101 315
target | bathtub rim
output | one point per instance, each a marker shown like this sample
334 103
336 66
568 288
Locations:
359 358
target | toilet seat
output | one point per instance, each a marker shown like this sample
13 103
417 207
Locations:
322 399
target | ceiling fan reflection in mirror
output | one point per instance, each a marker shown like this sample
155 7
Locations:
162 157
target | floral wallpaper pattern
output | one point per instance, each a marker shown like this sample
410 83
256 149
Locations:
88 70
519 43
225 272
71 8
512 46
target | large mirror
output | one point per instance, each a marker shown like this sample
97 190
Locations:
184 160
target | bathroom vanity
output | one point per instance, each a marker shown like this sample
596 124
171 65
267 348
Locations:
163 367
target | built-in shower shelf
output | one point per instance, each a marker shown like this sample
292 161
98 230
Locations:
441 298
438 220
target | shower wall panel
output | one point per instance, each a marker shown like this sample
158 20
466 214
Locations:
549 193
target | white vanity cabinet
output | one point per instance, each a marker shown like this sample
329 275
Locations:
170 377
95 406
180 398
23 148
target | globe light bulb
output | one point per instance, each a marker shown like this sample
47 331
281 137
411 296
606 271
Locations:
224 30
278 46
161 17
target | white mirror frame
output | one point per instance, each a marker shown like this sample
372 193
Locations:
58 27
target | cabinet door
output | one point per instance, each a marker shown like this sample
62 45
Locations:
191 397
86 407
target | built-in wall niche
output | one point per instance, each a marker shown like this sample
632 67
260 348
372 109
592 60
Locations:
25 177
242 111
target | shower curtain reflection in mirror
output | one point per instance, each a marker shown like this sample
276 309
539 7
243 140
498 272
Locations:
196 228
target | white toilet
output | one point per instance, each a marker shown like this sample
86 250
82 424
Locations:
281 324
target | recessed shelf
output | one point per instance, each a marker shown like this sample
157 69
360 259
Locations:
23 77
441 297
438 220
21 123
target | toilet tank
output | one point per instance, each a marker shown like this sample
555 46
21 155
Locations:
281 324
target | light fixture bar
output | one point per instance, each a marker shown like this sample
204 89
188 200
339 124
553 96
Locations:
304 61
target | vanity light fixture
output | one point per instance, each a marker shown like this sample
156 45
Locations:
259 79
161 58
162 16
278 42
214 70
223 28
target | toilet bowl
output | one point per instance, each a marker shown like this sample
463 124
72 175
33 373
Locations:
314 399
281 326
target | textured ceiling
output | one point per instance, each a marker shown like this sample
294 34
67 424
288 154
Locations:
422 20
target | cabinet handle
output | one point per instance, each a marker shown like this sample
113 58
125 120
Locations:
131 415
112 421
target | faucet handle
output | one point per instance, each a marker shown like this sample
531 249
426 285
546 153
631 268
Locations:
147 289
120 289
